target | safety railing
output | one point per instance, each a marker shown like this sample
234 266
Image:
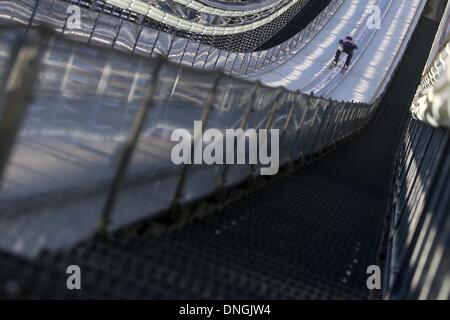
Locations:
105 30
431 102
441 38
86 147
418 257
418 240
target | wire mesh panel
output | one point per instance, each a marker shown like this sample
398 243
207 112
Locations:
237 61
190 53
322 126
331 122
221 60
225 114
152 178
302 138
259 117
95 145
233 108
317 125
105 31
202 56
211 60
177 49
163 44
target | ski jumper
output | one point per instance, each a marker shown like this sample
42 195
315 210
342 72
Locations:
348 47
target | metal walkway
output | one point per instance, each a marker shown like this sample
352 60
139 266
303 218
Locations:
310 234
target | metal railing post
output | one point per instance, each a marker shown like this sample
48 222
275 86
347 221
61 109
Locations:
196 53
207 109
323 119
154 43
343 121
242 126
22 75
302 120
128 151
338 118
277 102
184 50
349 120
311 128
329 113
251 60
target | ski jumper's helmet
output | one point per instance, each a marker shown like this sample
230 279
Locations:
349 38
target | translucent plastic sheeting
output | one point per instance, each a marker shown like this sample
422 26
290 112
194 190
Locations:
85 108
190 52
55 14
8 49
146 41
152 177
230 109
78 118
163 45
126 38
177 49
